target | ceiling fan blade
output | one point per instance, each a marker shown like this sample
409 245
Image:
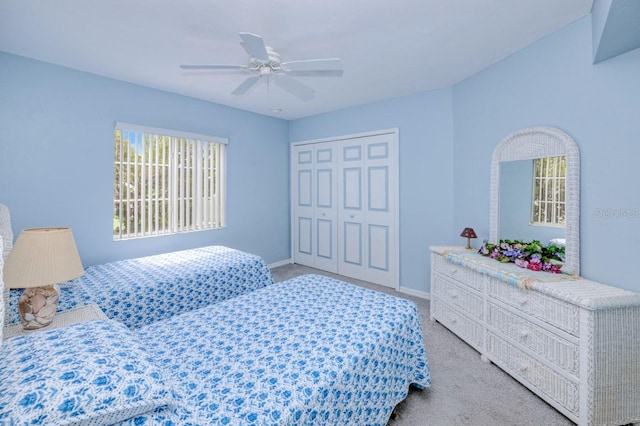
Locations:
254 45
293 86
246 85
316 73
213 67
332 64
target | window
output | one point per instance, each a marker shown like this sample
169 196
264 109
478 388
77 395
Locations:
166 182
548 206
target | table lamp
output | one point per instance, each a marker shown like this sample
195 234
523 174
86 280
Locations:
41 258
468 233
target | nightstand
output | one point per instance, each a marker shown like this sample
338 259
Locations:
61 319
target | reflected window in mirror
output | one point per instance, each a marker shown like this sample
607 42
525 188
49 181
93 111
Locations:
548 205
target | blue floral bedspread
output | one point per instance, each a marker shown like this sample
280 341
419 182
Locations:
142 291
311 350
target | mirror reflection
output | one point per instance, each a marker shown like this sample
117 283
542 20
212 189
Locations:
532 200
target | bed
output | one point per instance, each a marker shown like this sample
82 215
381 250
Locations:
311 350
148 289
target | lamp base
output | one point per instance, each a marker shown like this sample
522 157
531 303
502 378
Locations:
37 306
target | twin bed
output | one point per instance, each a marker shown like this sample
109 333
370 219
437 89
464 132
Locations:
311 350
148 289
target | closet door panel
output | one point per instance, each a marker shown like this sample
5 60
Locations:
380 212
305 194
325 209
305 233
325 239
351 235
303 205
352 244
352 189
378 253
378 189
325 188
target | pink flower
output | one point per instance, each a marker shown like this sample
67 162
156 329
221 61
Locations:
534 266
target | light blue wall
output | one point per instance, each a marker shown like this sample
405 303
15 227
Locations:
426 188
554 83
56 160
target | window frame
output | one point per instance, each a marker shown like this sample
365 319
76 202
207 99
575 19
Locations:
540 188
193 188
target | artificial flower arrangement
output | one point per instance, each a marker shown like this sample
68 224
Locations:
531 255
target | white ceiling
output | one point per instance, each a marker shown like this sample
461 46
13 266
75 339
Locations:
388 48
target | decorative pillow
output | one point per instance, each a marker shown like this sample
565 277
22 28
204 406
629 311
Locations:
92 372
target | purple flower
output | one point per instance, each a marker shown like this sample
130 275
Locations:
513 253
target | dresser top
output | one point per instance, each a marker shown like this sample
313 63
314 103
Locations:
573 289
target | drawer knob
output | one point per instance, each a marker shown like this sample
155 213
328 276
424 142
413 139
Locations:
522 302
524 334
524 367
454 294
453 270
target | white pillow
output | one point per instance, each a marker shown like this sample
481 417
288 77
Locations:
91 372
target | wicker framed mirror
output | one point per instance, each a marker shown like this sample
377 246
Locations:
531 144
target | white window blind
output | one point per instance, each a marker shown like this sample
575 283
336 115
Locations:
167 182
549 203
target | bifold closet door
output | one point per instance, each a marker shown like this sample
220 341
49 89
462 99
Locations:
367 217
315 210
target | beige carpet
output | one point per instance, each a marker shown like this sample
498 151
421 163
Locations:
465 390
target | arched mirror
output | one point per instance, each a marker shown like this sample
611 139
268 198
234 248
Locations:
535 191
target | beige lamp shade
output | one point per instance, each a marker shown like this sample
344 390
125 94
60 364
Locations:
42 257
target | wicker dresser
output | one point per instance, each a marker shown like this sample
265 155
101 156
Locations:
574 342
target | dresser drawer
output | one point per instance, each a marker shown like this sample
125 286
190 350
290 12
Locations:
458 296
467 329
458 273
544 379
549 346
552 311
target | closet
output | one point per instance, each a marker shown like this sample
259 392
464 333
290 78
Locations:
344 198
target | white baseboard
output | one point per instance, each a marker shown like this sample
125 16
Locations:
416 293
281 263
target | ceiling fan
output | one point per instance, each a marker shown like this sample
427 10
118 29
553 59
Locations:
267 63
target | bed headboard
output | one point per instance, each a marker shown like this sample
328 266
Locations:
2 295
5 231
6 244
